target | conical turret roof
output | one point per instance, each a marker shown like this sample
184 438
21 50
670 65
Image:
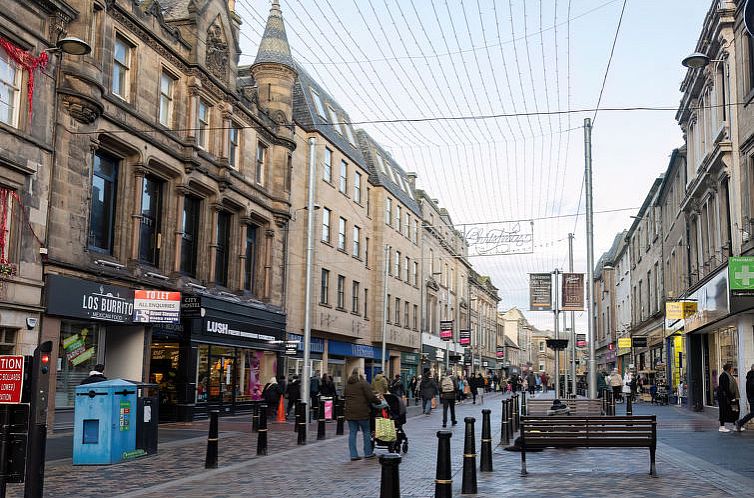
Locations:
274 46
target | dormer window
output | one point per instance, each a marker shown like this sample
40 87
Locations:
334 119
349 133
318 104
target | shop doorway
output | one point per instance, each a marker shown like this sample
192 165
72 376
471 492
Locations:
163 368
221 379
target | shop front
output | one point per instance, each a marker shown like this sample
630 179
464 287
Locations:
409 366
228 351
343 357
294 365
90 323
433 358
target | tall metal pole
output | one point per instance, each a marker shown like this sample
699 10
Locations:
384 312
592 364
556 312
306 377
573 320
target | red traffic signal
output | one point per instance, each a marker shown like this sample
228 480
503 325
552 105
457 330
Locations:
45 361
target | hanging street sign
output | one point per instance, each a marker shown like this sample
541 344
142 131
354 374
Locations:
741 275
500 351
464 337
540 292
509 237
446 330
573 292
678 310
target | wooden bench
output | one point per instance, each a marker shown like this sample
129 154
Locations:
579 407
588 432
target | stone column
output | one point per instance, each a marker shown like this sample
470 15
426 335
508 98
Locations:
180 195
138 187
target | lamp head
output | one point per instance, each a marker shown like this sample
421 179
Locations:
697 60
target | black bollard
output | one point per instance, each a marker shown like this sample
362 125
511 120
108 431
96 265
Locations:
508 421
301 421
321 421
629 407
210 461
485 463
504 423
255 417
443 476
262 434
297 416
340 410
514 417
468 485
523 405
612 405
390 486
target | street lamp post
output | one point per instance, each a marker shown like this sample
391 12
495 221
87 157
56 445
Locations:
590 257
385 306
306 373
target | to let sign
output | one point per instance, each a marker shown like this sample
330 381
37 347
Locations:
11 378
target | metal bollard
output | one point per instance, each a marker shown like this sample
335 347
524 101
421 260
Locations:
612 405
485 463
468 485
297 417
390 486
210 461
523 405
301 421
443 476
504 423
255 417
321 421
629 406
340 407
514 417
262 434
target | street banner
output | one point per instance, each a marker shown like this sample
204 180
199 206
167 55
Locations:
464 337
624 342
500 351
580 340
540 292
573 292
741 275
639 342
446 330
153 306
678 310
501 238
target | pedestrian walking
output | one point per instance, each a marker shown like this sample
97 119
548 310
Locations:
601 383
95 375
750 398
379 384
314 384
531 382
428 390
271 394
448 398
412 384
626 387
396 387
544 379
616 383
461 388
474 385
359 399
727 398
327 386
293 391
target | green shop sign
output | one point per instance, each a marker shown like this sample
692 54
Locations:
741 274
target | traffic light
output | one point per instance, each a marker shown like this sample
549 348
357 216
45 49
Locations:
44 363
40 381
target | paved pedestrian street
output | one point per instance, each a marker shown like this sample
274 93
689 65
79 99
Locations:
693 459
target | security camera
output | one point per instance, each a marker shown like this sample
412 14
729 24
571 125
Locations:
31 323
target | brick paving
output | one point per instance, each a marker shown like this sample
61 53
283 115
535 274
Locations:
323 468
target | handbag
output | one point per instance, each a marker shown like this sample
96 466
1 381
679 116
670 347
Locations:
434 403
384 430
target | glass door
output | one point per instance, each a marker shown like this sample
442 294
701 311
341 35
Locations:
222 377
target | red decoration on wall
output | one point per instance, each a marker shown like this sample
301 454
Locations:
27 61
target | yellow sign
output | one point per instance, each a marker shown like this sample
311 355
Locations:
678 344
624 342
677 310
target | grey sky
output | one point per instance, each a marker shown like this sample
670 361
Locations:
398 59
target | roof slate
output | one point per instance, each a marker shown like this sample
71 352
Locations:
274 47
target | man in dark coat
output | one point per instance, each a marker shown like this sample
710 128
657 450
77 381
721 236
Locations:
293 391
427 390
96 375
448 398
750 397
358 409
727 397
531 383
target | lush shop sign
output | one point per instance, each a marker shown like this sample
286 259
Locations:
77 298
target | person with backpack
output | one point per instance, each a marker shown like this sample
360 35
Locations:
448 398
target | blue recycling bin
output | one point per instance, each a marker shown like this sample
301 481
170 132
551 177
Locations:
105 423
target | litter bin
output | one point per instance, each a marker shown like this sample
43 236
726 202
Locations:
147 417
104 423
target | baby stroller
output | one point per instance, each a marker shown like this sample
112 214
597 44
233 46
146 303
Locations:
395 411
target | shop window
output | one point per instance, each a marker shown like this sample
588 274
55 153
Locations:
102 213
251 254
77 355
150 237
222 248
190 234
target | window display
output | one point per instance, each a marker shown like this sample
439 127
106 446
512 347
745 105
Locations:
77 355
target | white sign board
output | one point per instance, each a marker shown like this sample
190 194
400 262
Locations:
510 237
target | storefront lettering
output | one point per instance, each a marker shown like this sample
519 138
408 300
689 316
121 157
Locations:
223 328
106 305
